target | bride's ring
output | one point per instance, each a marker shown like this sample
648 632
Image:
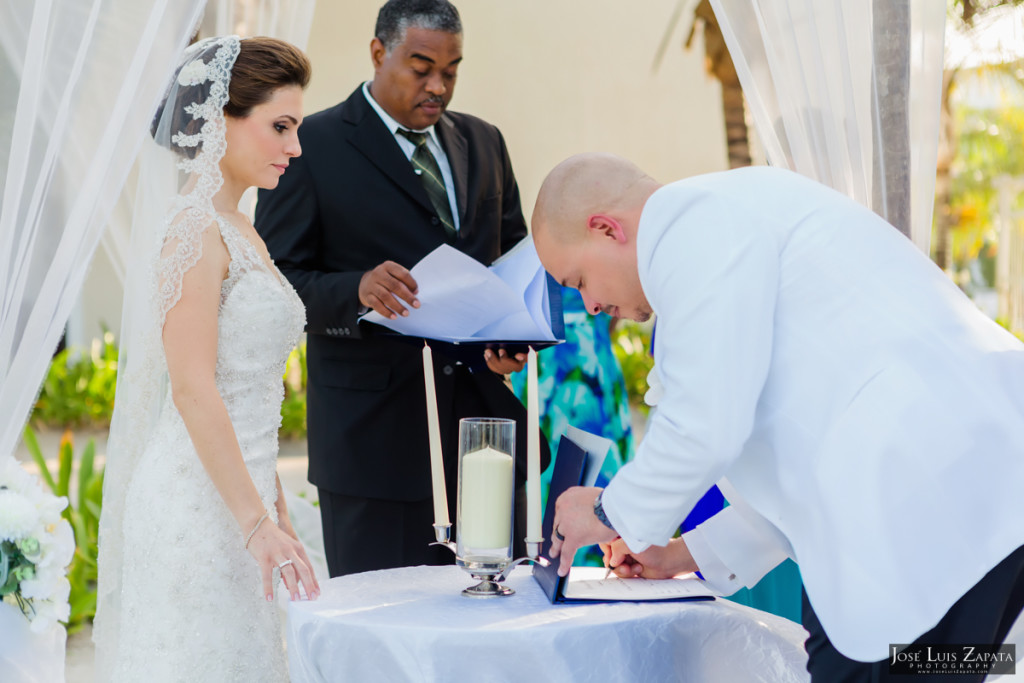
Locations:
558 535
284 564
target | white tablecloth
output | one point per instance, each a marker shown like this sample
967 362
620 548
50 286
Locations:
412 624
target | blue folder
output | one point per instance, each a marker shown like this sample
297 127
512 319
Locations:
568 471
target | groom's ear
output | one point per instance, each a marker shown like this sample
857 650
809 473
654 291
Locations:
606 226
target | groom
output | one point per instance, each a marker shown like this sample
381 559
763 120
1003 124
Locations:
385 177
869 417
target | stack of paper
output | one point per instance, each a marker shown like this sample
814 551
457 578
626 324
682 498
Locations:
462 300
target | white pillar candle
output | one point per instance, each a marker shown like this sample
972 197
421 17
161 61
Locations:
533 513
485 504
434 435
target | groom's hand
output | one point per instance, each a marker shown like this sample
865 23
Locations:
382 288
576 525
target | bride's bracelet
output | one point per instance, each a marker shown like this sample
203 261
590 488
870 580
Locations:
253 532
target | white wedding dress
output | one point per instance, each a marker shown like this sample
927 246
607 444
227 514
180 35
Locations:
192 602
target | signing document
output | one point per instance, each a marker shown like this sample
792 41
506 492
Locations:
588 583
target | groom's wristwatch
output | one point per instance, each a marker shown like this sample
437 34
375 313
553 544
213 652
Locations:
599 511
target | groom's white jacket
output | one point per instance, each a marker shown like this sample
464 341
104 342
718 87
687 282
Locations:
851 394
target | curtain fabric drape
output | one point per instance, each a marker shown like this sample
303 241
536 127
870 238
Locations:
289 20
846 93
79 81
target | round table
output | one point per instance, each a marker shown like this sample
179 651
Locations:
412 624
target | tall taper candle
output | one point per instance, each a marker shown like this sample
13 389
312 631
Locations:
434 435
533 513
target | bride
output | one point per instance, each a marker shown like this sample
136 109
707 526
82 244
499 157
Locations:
194 533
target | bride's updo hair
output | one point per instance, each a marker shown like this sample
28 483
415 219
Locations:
262 66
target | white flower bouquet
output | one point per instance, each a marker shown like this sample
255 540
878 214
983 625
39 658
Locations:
36 546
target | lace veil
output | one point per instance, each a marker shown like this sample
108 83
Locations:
179 175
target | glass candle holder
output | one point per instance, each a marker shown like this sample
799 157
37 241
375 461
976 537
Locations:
485 500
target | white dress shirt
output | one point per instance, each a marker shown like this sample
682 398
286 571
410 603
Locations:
859 403
433 144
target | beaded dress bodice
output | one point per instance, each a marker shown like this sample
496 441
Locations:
261 320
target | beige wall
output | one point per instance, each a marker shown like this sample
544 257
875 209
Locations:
557 77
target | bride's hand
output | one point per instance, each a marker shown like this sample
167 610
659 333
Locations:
273 547
290 530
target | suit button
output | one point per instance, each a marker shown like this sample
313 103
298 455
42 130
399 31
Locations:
346 331
434 220
448 370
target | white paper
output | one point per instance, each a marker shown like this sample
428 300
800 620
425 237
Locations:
462 300
521 269
587 583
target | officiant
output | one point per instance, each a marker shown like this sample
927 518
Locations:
868 419
386 177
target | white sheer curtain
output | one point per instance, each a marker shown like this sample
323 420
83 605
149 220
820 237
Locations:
289 20
79 81
846 92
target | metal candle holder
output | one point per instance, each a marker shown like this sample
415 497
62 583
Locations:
486 500
489 574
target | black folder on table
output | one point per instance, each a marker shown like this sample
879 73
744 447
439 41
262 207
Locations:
569 470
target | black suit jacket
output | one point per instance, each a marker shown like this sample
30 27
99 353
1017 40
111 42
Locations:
349 203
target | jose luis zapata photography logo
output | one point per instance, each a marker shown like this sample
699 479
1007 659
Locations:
922 658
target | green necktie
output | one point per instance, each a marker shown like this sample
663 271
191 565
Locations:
430 173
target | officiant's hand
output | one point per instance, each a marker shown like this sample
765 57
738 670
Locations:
576 525
499 361
657 562
385 287
275 549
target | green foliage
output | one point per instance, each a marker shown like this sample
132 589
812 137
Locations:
293 409
631 342
991 144
14 567
79 387
302 495
82 512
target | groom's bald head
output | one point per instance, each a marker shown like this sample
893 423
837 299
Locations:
584 185
585 224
